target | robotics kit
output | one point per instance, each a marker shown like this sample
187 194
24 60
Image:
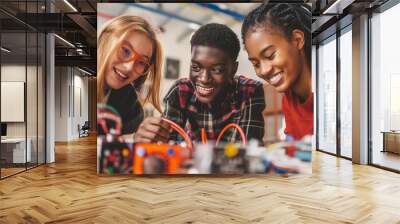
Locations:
116 156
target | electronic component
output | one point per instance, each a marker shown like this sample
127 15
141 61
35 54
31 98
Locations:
229 159
207 157
116 158
157 158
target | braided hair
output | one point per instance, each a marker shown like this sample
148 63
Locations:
284 17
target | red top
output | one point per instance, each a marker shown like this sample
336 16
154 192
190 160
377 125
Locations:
299 117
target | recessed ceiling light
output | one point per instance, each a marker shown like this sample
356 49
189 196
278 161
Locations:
84 71
5 50
70 5
64 40
337 7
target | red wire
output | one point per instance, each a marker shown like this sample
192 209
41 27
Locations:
110 116
203 136
232 125
182 132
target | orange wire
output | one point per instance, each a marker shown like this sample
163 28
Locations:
182 132
203 136
232 125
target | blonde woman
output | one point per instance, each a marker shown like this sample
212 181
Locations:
128 54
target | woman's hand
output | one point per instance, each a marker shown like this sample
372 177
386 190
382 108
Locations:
126 138
153 129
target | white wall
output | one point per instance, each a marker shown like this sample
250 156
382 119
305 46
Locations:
12 73
70 84
81 103
175 50
61 103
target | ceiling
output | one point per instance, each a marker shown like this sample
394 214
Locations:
76 21
332 15
72 20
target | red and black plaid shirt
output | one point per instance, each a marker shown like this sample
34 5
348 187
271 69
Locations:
242 103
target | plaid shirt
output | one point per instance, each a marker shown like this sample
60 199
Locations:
241 103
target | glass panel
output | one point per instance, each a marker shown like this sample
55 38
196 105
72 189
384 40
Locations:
32 88
13 86
327 96
31 97
22 79
385 86
346 94
41 99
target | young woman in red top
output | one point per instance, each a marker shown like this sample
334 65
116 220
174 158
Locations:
277 38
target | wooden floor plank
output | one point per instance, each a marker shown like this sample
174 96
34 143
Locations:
70 191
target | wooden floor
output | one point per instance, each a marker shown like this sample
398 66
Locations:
10 171
387 159
70 191
5 172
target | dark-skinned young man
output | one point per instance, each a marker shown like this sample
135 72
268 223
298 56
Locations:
212 96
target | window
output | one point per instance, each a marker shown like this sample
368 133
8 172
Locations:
327 96
385 89
346 95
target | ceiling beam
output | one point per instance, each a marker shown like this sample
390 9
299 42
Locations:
214 7
337 7
167 20
164 13
321 21
84 24
84 61
49 22
188 31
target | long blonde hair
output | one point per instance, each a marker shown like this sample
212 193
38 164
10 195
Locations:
113 33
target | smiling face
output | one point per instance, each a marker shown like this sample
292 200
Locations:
211 70
276 59
120 71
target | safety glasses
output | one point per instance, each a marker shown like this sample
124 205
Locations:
140 63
